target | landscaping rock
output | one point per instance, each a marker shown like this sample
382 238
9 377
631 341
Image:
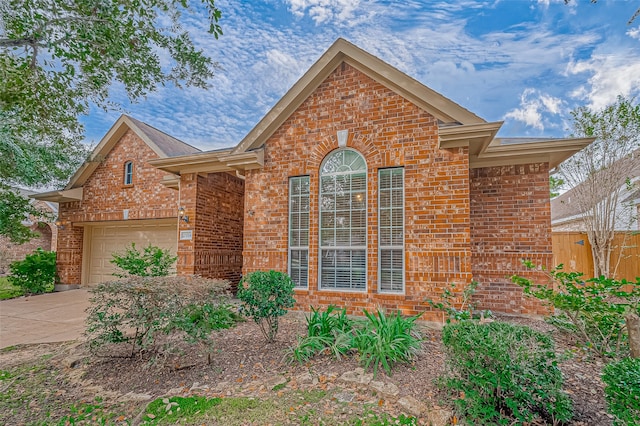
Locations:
132 396
197 387
384 388
74 361
439 417
345 396
412 406
357 377
306 379
222 386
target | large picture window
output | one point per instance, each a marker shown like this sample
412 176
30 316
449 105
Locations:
343 221
299 230
391 230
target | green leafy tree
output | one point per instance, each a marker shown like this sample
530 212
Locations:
58 58
14 209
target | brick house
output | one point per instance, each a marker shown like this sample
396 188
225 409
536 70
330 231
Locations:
367 187
46 239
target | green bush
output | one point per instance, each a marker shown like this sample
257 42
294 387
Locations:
36 273
385 340
501 372
135 311
593 310
266 297
152 261
622 391
328 331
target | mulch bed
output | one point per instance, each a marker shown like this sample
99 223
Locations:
242 362
242 356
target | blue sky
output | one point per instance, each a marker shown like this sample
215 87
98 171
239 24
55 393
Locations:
527 62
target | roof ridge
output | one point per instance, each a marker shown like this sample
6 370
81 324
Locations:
138 122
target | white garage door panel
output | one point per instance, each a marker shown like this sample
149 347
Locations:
108 239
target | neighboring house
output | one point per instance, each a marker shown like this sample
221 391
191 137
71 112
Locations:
567 210
46 239
367 187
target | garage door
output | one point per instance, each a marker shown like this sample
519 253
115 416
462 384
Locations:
102 241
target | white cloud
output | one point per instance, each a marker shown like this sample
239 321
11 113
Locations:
634 33
611 75
325 11
533 104
439 44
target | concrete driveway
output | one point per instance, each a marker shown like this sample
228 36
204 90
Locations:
46 318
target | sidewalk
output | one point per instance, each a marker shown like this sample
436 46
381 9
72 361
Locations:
46 318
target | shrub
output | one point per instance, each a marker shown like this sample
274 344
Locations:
622 391
466 310
385 340
133 312
152 261
198 320
328 331
503 372
266 297
36 273
593 310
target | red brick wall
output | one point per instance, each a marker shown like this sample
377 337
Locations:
510 221
105 197
388 131
10 252
214 205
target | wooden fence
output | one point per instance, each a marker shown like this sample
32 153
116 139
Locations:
573 250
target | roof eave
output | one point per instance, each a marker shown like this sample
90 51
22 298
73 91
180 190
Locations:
475 136
60 196
211 162
553 152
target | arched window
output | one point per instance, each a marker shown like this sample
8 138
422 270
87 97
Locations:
128 173
343 221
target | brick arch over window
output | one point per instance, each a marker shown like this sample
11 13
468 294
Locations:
358 141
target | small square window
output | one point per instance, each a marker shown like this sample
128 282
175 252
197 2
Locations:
128 173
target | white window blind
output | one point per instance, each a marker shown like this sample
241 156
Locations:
299 230
391 230
343 221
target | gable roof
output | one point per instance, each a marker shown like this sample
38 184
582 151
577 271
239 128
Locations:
340 51
458 126
163 144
